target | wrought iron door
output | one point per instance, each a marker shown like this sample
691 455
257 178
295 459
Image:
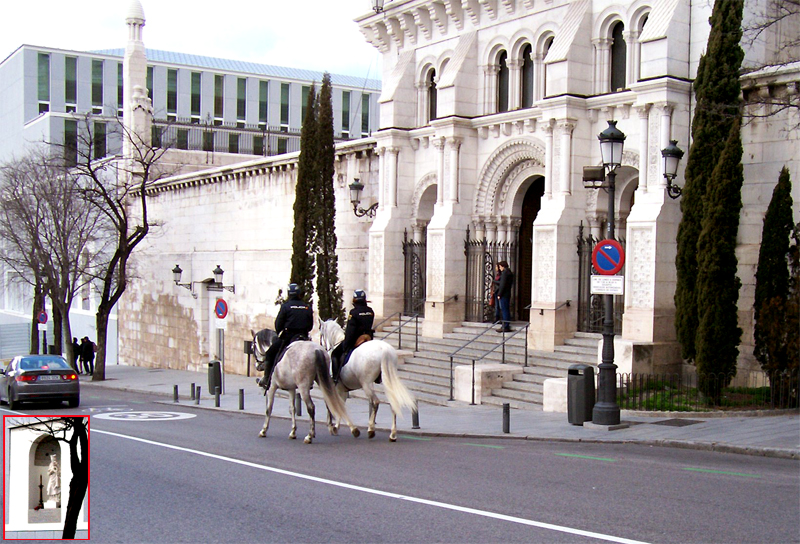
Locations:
414 254
590 307
481 259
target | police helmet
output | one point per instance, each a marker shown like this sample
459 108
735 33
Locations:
360 295
294 290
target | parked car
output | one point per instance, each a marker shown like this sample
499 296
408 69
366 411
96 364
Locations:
37 378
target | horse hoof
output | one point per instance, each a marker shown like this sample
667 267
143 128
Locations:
334 431
392 439
356 433
307 440
262 434
292 436
371 434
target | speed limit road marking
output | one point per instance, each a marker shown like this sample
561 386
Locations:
145 416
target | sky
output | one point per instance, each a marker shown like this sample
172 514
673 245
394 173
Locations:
309 34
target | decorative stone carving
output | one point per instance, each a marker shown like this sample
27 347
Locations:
497 168
376 260
436 265
640 268
545 265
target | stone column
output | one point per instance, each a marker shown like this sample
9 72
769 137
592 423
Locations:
630 49
565 174
538 76
644 129
490 85
514 87
666 132
422 103
381 151
438 144
452 186
602 48
391 174
548 159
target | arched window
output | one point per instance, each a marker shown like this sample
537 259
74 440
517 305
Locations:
502 82
432 94
546 49
618 58
638 48
527 77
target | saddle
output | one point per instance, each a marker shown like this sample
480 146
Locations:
361 339
292 339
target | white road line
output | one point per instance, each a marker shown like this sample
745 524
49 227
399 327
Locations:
473 511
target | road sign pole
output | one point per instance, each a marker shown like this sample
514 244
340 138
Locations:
606 410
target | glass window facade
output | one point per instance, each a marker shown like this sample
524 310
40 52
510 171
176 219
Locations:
196 88
120 90
71 142
71 80
43 73
346 113
304 102
219 98
284 105
150 82
364 114
263 97
172 92
97 84
241 99
99 140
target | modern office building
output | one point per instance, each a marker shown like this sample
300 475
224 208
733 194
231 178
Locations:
199 103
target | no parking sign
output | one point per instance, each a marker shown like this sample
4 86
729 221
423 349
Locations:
608 257
221 311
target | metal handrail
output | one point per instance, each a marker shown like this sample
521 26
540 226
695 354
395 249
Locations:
541 310
399 329
503 357
445 301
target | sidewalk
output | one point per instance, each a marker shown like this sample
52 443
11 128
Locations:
759 433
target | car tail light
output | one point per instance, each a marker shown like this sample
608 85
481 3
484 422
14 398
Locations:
26 378
69 377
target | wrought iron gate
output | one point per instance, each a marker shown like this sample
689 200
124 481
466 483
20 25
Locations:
590 307
481 259
414 276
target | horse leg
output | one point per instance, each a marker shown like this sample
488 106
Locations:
393 434
293 433
333 430
312 432
373 410
270 399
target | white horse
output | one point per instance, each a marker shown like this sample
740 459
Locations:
369 361
301 365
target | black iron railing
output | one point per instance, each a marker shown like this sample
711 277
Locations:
754 390
404 320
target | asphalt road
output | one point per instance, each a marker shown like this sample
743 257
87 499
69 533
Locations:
210 478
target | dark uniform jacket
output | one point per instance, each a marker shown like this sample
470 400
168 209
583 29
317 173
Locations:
506 282
359 322
295 317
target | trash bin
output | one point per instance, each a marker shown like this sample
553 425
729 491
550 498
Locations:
580 393
214 377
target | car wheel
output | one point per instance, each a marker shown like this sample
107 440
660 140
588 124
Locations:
13 403
73 403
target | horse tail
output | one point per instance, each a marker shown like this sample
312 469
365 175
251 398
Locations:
396 392
332 399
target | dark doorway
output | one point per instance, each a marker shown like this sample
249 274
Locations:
531 205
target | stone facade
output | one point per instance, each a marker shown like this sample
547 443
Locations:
489 112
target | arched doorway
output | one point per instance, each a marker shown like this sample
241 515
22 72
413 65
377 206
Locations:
531 204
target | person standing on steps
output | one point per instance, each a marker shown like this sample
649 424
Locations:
504 295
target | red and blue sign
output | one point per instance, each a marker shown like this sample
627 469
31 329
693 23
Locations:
221 308
608 257
42 317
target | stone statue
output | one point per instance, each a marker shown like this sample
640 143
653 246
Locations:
54 484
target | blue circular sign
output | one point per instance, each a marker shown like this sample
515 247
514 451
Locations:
221 308
608 257
42 317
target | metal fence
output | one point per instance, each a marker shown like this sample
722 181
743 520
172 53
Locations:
482 256
754 390
414 254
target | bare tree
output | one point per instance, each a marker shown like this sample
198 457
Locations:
75 432
48 235
117 188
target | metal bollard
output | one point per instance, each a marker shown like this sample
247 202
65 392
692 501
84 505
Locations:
216 396
298 405
506 418
241 399
415 416
192 391
174 393
197 396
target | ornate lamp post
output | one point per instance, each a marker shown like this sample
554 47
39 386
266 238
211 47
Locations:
218 272
355 198
672 157
606 410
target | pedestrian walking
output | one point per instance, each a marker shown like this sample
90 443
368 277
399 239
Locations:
493 301
87 355
504 295
76 354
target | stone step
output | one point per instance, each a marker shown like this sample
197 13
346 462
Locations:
417 377
513 403
526 387
522 396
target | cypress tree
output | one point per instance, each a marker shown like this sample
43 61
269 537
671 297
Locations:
775 305
303 233
718 332
328 291
718 95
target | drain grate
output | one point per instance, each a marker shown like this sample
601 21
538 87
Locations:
677 422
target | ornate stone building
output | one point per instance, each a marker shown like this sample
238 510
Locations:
489 111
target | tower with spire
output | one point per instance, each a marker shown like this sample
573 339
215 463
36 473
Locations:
137 107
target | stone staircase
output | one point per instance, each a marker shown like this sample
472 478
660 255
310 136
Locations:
427 371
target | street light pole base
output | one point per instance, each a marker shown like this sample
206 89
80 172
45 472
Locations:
605 413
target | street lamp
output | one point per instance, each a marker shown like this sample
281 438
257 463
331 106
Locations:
606 410
355 198
672 157
218 273
377 6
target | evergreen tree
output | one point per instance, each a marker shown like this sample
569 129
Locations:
718 95
304 225
328 291
718 332
776 329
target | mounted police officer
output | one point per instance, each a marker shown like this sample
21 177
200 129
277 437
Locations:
359 323
294 322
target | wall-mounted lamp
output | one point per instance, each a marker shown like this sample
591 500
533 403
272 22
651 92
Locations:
355 197
218 272
176 277
672 157
377 6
